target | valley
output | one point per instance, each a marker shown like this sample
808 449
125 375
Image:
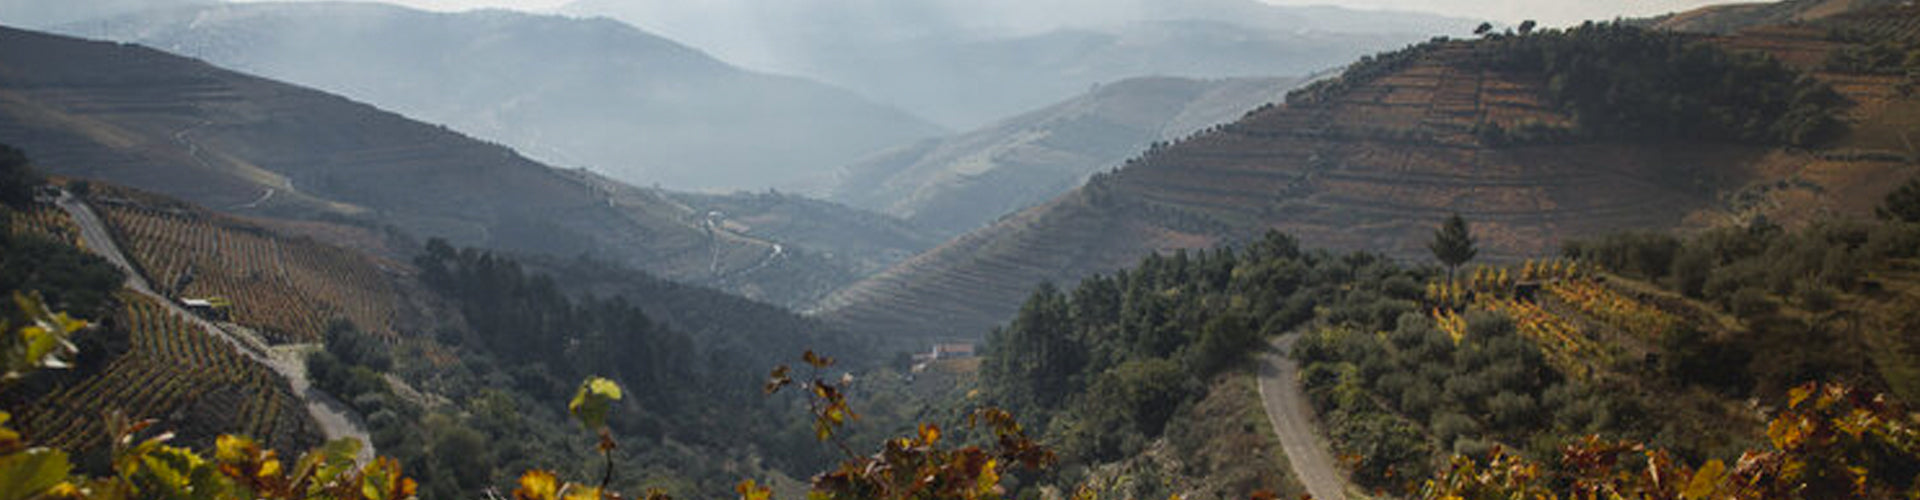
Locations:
1202 251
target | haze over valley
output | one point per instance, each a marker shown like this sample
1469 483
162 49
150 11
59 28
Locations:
959 250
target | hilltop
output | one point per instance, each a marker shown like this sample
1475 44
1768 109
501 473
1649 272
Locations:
965 64
958 183
576 92
1371 160
251 146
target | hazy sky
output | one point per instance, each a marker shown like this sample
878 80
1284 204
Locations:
1552 12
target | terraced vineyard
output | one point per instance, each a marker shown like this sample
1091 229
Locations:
1630 316
46 220
1370 167
194 383
289 289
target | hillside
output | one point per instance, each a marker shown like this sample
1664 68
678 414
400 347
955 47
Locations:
251 146
41 15
1735 17
856 242
1372 160
423 355
958 183
572 92
965 64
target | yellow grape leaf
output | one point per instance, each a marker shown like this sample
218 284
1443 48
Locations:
988 480
229 448
929 433
582 493
270 468
537 485
591 403
1705 481
1798 394
751 491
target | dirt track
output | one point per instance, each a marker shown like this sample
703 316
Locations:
335 420
1292 420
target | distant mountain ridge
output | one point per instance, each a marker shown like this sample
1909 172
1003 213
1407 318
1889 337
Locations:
964 64
958 183
589 93
251 146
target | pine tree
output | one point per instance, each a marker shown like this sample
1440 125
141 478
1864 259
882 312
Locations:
1453 244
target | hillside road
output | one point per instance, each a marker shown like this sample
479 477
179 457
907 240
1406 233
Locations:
1292 419
334 418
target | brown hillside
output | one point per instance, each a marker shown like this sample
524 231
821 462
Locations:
246 145
1374 167
1730 18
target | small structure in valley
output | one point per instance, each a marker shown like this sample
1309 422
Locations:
942 352
217 308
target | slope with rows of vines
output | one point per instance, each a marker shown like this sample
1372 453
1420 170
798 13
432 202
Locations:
1373 159
176 373
290 289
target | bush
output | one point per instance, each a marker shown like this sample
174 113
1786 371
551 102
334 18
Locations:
1750 303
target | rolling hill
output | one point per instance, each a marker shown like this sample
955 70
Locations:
955 184
965 64
1375 159
252 146
39 14
1735 17
574 92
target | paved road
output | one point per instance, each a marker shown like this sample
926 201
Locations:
335 419
1292 419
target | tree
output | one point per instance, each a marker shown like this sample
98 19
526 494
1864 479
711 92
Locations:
1902 204
17 177
1527 26
1453 244
1483 29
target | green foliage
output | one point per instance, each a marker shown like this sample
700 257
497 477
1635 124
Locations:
1391 400
17 178
1622 81
1903 204
1646 254
1453 244
33 337
1131 349
1797 295
591 403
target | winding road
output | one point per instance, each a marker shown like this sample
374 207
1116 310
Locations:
335 419
1292 419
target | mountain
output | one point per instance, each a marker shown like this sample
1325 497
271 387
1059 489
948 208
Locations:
251 146
958 183
859 241
589 93
42 14
1375 159
1735 17
965 64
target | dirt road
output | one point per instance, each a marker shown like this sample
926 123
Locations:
335 419
1292 419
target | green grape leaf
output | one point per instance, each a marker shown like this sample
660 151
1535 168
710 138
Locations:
28 473
591 403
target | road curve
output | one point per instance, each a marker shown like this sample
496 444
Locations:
1292 419
334 418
